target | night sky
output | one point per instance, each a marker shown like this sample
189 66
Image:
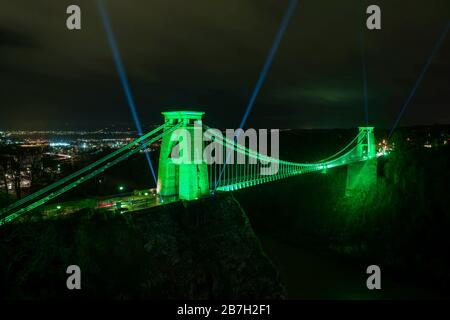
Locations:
207 55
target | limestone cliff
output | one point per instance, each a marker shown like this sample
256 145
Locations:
197 250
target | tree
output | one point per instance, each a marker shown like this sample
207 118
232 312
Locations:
4 167
16 166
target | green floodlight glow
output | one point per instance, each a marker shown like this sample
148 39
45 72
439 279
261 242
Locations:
146 194
58 207
121 188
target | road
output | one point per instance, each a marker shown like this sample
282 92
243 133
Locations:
123 203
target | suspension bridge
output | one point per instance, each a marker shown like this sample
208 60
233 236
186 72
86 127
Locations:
192 180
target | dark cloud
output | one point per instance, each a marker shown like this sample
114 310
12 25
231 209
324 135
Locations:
11 38
207 55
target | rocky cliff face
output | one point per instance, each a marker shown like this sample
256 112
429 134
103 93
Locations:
197 250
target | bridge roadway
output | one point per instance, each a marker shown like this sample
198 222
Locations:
120 203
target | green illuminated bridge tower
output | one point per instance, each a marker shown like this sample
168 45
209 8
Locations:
185 137
188 181
362 175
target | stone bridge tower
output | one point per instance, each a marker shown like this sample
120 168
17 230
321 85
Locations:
362 175
186 180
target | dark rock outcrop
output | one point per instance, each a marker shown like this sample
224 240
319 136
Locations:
199 250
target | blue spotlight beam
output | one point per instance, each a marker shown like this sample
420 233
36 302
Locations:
366 90
364 69
422 74
262 76
273 50
122 76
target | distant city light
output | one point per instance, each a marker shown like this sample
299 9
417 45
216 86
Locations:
59 144
382 153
